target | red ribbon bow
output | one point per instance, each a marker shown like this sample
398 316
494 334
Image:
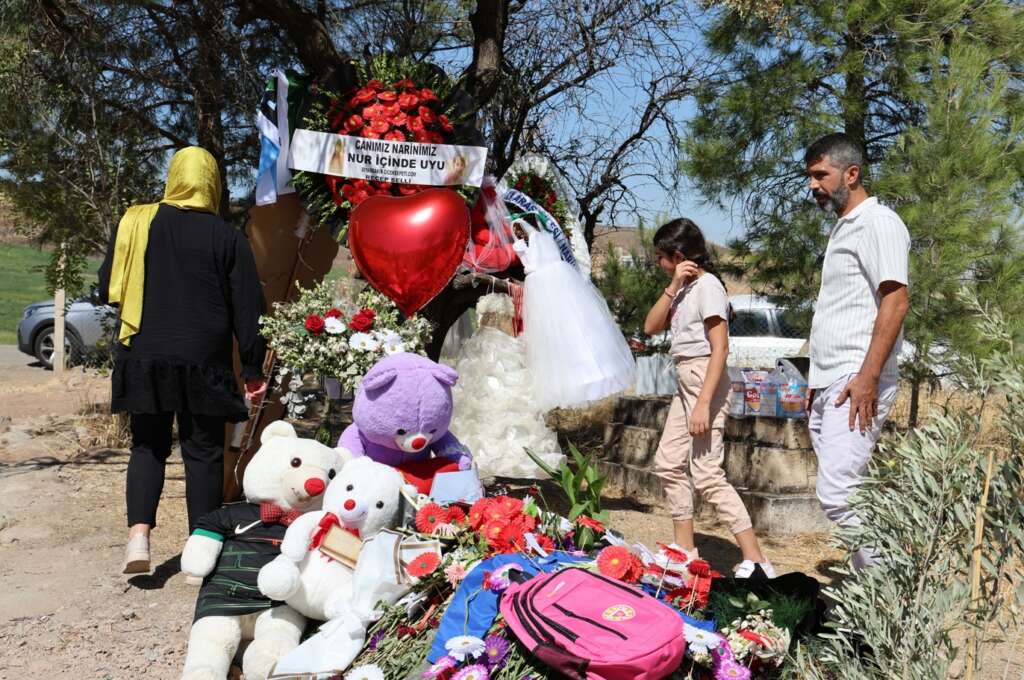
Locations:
329 520
273 514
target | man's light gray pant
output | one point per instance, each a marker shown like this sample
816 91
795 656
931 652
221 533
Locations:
843 455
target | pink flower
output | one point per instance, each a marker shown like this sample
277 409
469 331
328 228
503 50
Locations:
455 572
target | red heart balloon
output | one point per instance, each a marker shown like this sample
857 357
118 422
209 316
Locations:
408 247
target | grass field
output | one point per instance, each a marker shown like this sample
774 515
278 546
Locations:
21 283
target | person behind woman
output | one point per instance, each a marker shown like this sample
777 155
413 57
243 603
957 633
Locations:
186 283
695 307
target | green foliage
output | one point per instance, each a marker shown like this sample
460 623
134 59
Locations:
862 67
952 179
733 602
919 507
582 488
631 287
104 91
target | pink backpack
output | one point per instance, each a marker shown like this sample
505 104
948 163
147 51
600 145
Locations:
590 627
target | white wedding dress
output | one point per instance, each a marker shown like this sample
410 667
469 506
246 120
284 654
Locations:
495 413
575 352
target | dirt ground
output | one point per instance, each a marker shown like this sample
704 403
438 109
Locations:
67 612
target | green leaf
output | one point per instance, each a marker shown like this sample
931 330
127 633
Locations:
576 511
539 462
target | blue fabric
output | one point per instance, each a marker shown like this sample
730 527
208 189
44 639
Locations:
482 605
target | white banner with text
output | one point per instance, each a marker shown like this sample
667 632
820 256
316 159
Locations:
382 160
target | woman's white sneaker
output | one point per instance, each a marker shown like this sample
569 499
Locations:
746 568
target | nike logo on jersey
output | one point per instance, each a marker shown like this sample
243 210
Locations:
239 529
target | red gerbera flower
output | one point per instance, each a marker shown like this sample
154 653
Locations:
496 512
354 122
395 136
491 530
510 504
545 542
529 522
423 564
387 96
634 571
403 84
380 126
398 120
408 100
333 313
476 511
375 85
370 134
429 516
614 561
590 522
699 568
673 554
456 515
416 124
434 137
372 112
427 95
427 114
511 538
362 96
446 124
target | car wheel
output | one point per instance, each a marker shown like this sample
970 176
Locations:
44 347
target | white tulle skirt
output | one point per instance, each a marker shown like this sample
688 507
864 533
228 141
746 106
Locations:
495 414
575 351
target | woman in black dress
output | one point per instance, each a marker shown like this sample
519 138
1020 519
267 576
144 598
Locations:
186 283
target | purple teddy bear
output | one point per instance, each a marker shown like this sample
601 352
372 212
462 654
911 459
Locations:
402 412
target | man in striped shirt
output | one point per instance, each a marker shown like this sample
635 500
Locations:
857 328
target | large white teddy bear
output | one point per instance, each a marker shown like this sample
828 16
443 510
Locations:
285 478
364 498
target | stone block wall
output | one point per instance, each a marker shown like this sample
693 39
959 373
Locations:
769 461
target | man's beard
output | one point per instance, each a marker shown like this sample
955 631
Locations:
836 201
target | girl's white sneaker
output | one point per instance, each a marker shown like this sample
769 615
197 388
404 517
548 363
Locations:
746 568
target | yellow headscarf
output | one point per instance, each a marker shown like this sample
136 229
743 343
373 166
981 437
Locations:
193 183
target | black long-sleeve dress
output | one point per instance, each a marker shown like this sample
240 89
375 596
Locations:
201 289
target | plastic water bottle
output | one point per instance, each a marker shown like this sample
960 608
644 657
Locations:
791 388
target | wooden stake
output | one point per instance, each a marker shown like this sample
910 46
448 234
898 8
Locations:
979 530
59 300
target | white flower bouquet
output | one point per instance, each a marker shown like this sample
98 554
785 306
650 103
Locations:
340 339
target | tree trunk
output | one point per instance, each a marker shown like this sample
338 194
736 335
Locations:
489 22
915 402
590 226
208 90
313 44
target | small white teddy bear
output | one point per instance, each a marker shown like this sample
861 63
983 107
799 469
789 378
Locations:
364 498
285 478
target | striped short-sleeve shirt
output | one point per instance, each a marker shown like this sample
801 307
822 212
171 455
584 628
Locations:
868 246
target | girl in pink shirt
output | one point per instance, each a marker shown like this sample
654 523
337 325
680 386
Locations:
696 309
